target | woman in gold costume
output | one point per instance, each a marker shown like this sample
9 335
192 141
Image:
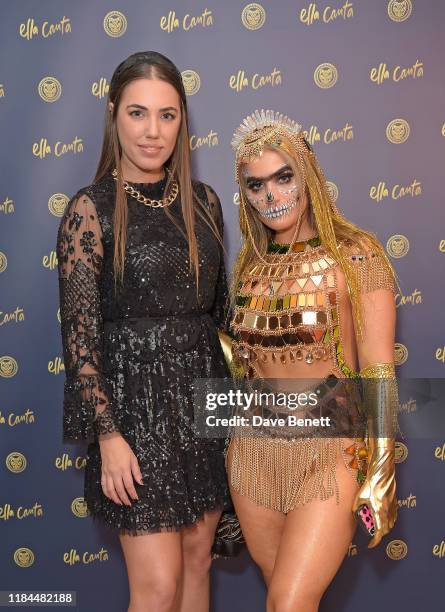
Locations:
313 299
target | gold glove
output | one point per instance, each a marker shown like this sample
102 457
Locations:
236 369
378 491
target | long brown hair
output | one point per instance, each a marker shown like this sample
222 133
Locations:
151 65
332 227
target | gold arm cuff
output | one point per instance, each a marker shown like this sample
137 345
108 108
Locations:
381 399
378 370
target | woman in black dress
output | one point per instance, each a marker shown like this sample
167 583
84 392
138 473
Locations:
142 293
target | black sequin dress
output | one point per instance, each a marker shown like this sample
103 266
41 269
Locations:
131 357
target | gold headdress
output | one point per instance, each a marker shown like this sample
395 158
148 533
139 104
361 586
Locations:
261 128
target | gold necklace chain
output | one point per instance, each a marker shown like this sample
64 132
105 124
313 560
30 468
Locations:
150 201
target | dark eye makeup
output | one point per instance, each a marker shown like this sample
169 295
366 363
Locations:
282 178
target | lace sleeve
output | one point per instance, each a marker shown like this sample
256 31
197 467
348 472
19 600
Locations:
220 310
86 407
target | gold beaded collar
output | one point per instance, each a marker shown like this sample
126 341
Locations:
297 247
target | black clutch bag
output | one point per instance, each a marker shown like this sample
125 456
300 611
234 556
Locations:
229 540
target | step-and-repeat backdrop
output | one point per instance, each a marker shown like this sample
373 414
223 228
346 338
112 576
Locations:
366 80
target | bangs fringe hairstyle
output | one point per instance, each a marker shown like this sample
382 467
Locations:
332 227
152 65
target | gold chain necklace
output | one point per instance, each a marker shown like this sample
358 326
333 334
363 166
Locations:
150 201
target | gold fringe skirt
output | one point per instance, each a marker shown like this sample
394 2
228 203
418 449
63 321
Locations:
282 474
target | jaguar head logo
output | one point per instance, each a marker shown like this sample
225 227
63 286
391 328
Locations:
50 89
253 16
399 10
57 204
16 462
396 550
115 24
24 557
398 131
325 75
8 366
191 81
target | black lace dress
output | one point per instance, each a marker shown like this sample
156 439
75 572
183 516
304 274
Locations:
131 357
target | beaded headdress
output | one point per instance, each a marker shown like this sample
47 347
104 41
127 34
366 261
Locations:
261 128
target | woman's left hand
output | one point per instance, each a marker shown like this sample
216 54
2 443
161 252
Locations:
378 491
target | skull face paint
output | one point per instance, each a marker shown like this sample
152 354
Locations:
271 187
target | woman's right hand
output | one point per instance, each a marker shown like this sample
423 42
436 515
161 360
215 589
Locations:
119 467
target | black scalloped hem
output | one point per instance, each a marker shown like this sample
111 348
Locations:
120 527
